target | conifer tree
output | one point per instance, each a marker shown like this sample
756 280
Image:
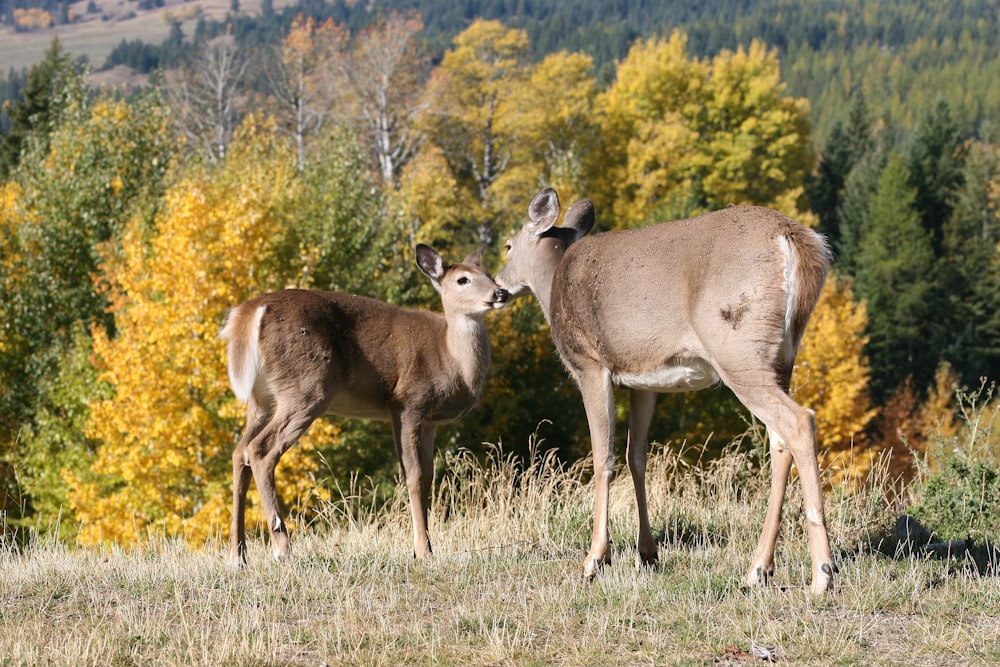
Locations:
896 276
968 331
935 158
36 112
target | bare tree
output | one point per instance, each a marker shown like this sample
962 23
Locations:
383 74
303 78
207 96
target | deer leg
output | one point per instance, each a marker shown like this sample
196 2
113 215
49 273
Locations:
241 483
599 403
641 405
426 475
408 432
795 426
762 567
265 451
237 530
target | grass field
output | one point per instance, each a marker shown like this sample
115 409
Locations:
504 586
98 33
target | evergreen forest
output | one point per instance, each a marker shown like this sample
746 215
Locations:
315 146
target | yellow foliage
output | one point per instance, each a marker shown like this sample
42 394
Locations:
643 117
429 200
683 135
32 19
831 376
163 462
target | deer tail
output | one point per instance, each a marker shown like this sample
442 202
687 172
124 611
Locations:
807 264
242 330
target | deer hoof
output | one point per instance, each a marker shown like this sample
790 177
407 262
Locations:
823 580
759 575
646 561
593 566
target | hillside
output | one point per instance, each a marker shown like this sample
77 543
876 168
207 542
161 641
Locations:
94 34
905 56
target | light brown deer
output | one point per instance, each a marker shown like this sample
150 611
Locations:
297 354
681 306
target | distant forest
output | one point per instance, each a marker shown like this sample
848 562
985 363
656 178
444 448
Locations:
904 56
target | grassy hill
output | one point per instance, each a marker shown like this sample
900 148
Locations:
504 586
96 34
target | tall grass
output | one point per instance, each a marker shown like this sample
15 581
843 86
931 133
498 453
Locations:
504 587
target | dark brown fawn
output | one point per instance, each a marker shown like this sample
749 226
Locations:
297 354
681 306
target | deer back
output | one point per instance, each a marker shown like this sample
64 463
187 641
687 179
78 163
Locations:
642 299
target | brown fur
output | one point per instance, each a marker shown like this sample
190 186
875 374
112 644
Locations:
679 306
297 354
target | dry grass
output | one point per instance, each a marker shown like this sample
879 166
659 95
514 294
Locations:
503 588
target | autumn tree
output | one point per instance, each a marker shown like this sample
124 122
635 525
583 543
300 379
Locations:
302 78
832 378
472 115
103 163
648 143
207 97
683 135
165 432
383 73
558 129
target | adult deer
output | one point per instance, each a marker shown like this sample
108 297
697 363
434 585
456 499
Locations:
297 354
680 306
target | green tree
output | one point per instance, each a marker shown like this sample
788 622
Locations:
36 113
847 144
103 163
896 276
968 329
935 158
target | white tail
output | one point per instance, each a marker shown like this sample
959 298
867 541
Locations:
297 354
680 306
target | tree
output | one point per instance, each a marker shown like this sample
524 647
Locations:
934 159
847 144
103 163
472 114
36 113
647 141
302 78
683 135
753 140
162 462
896 276
383 73
968 328
854 206
205 96
832 377
558 131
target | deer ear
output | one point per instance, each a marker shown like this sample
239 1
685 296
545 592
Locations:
430 263
543 211
474 258
580 217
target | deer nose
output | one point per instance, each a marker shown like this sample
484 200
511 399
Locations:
501 295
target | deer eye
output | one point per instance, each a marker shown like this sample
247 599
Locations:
507 246
464 280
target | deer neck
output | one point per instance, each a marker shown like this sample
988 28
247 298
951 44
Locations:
544 273
469 347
